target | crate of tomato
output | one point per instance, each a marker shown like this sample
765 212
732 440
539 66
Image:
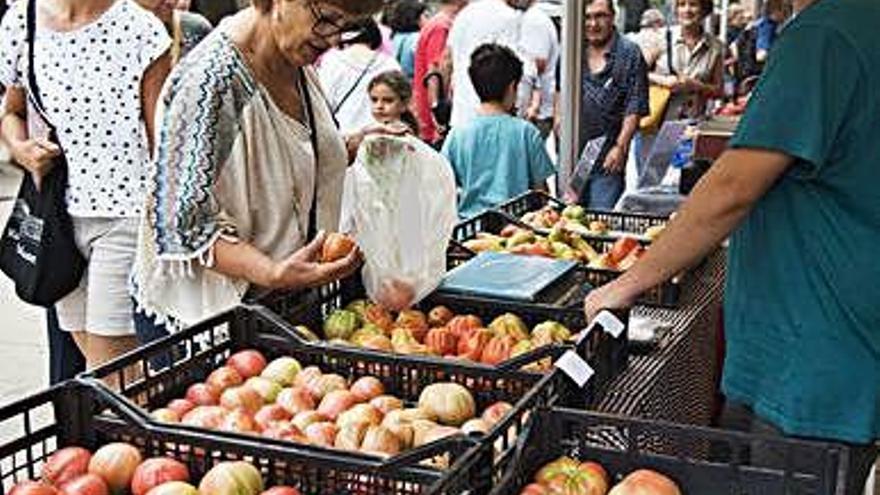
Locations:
243 379
75 439
569 451
542 212
602 258
442 329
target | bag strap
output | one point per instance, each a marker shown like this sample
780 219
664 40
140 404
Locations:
669 54
177 36
312 229
356 83
33 87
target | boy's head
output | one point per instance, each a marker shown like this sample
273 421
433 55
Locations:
495 72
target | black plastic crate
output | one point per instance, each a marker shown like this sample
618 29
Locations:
489 460
606 354
617 221
209 344
75 414
700 460
665 295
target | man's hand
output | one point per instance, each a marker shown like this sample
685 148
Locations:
303 268
615 160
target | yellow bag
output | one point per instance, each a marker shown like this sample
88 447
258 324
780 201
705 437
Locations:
658 99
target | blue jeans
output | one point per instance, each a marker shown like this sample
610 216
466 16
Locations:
65 359
147 330
603 190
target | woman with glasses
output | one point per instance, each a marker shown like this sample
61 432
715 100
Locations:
694 73
249 164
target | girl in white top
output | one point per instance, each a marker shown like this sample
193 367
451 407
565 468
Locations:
99 66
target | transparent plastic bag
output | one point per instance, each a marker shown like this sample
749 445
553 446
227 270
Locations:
401 204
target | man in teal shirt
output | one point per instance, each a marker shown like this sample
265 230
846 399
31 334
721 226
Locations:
798 191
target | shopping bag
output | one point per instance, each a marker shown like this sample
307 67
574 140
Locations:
402 200
37 248
658 100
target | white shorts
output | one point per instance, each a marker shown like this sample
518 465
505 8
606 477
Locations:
102 304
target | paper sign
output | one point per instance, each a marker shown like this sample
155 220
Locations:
575 367
609 323
612 324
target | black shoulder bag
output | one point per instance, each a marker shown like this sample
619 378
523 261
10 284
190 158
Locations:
37 250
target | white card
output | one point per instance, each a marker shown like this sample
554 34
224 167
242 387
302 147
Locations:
610 323
575 367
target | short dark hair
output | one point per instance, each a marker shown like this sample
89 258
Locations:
368 34
706 7
609 2
494 68
404 15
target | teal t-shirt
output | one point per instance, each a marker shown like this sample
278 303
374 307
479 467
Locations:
802 305
495 158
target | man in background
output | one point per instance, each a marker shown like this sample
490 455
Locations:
539 46
481 22
614 98
430 52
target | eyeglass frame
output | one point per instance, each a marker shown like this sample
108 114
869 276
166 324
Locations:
319 19
599 17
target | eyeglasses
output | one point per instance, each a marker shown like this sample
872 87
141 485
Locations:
327 27
600 17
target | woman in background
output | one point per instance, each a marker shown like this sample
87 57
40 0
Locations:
345 74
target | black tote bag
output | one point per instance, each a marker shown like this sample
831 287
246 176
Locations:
37 250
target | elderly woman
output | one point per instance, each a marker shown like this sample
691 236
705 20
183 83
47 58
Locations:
696 63
249 164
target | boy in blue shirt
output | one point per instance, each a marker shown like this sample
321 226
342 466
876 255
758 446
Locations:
496 156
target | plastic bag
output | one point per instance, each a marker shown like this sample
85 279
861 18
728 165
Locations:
400 195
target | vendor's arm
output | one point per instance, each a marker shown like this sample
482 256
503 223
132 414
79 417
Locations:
716 206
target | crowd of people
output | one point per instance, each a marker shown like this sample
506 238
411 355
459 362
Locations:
169 169
205 165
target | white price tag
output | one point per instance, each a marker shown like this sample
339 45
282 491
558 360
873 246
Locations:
610 323
575 367
606 319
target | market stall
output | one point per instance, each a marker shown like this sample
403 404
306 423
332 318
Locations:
676 378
